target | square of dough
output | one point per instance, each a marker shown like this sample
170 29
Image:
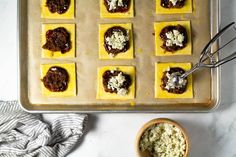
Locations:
163 94
105 14
101 94
49 54
71 90
103 54
187 8
158 26
45 13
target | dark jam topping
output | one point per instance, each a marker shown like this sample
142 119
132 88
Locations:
56 79
107 75
178 89
109 33
173 47
169 4
122 8
59 6
58 40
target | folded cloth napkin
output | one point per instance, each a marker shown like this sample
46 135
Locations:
26 135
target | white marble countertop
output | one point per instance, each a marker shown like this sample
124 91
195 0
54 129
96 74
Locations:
113 135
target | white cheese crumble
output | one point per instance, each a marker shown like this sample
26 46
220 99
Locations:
174 81
117 40
116 82
174 2
114 3
122 92
53 69
174 38
163 140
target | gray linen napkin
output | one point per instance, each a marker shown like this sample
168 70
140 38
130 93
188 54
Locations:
26 135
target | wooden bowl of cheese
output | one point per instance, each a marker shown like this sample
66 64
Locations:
162 137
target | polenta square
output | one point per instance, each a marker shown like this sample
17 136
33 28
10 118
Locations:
69 13
187 8
116 83
104 52
106 13
70 28
51 71
159 27
160 70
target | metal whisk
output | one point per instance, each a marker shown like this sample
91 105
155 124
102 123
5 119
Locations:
207 55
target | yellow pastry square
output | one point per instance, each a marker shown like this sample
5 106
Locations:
49 54
103 54
71 89
158 41
101 94
163 94
105 14
69 14
187 8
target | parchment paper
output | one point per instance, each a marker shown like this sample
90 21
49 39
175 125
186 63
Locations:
87 21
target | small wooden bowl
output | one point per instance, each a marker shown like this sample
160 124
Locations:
158 121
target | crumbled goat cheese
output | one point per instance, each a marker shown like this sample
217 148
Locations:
163 140
113 4
117 40
116 82
174 81
122 92
120 3
53 69
174 38
174 2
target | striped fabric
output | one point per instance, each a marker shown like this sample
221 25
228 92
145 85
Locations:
26 135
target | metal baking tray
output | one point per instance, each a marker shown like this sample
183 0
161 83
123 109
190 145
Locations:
204 21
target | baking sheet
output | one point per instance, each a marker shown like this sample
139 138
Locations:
204 22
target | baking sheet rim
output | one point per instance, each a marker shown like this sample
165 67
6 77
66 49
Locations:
27 109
